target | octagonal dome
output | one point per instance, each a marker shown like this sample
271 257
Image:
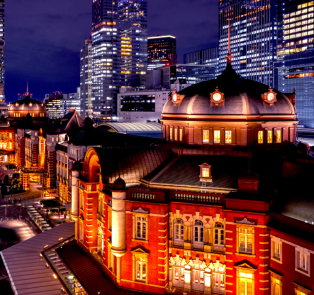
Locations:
241 97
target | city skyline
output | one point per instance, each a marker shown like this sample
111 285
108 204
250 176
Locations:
50 62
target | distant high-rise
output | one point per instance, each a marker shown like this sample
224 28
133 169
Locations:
207 56
294 69
119 48
86 80
253 37
162 51
2 31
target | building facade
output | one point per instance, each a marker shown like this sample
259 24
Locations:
86 79
2 47
294 66
253 37
162 51
208 57
119 42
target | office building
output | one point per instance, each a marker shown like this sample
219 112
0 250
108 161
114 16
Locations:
86 57
294 70
53 104
207 56
2 47
71 102
162 51
119 48
253 27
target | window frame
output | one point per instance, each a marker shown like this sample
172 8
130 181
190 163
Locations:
239 234
141 219
245 277
198 232
228 138
205 136
220 231
260 137
276 241
176 224
303 252
217 139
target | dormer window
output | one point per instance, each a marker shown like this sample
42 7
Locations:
217 98
205 173
269 98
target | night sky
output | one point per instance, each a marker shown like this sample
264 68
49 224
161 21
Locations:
44 38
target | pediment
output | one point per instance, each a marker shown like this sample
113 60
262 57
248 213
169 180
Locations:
245 265
140 210
245 221
140 250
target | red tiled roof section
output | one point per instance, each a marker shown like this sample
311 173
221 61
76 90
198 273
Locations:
131 164
87 272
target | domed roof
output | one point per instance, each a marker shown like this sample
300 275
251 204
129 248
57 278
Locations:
27 104
119 184
241 97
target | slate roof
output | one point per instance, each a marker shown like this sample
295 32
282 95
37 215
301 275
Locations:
88 273
131 164
184 170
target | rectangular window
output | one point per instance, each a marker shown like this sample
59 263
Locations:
176 134
216 136
278 136
269 136
171 129
205 172
140 269
276 245
205 136
181 134
245 284
302 259
81 199
141 228
246 240
228 136
260 137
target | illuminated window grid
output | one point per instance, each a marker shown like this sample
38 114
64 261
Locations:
205 136
216 136
228 136
260 137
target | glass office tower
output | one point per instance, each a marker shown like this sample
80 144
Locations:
2 28
294 69
86 58
119 42
253 37
207 56
162 51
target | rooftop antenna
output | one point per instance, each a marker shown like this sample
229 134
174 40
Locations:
229 57
27 87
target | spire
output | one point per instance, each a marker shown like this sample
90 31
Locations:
229 57
27 93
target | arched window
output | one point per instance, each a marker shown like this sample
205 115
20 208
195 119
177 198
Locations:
219 237
178 231
198 233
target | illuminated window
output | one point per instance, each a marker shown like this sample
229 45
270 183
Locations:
228 137
269 136
205 136
219 280
178 231
140 227
246 239
198 232
181 134
176 134
216 136
205 172
245 283
275 286
89 188
140 268
276 245
171 129
278 136
219 236
302 259
260 137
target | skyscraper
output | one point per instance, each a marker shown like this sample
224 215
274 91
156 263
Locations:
2 31
295 67
253 41
162 51
207 56
86 80
119 48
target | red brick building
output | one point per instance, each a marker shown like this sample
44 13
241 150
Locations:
222 206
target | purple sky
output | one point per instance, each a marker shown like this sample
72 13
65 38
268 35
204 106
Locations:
44 38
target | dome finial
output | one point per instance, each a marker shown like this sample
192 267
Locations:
229 57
